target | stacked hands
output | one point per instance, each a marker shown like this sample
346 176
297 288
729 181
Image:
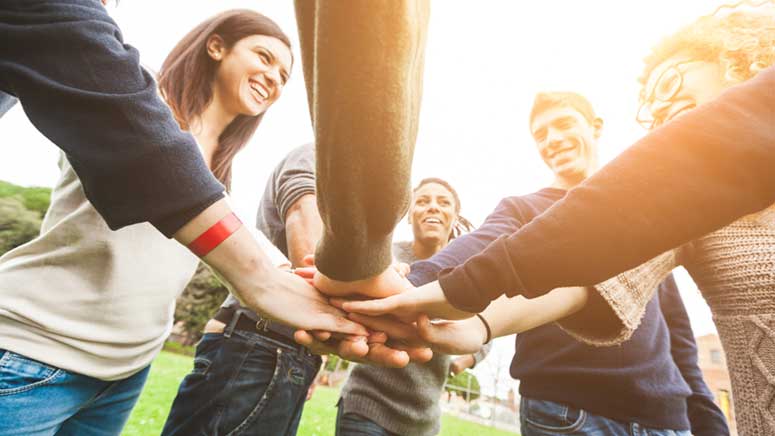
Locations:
393 318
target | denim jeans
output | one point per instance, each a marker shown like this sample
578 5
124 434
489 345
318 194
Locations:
244 384
41 400
351 424
545 418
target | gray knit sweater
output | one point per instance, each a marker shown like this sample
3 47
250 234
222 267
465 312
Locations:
404 401
735 269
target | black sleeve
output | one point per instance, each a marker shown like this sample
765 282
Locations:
704 415
84 89
504 220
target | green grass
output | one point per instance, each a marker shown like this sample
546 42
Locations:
318 419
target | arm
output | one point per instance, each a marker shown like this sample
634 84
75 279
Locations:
705 416
303 228
365 116
699 172
134 162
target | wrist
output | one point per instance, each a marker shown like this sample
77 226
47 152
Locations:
485 326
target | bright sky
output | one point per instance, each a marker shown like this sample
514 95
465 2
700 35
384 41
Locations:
485 61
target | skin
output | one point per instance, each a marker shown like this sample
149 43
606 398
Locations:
432 215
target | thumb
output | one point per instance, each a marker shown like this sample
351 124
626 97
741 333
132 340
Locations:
308 260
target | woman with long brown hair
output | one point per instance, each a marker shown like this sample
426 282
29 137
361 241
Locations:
79 368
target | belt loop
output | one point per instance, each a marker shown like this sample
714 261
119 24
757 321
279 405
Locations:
232 324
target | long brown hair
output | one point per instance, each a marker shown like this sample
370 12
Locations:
187 75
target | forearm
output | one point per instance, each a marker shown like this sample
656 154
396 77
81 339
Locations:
508 316
303 228
365 120
238 260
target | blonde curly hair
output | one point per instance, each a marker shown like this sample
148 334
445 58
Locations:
740 37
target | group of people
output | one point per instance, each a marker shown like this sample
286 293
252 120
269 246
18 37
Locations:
86 306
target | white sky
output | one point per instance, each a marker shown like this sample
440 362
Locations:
485 61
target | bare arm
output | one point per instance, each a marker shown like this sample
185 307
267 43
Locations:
303 228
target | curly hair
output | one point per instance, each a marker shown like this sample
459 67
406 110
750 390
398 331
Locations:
740 37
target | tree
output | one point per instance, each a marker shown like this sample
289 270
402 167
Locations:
34 198
465 381
17 224
202 297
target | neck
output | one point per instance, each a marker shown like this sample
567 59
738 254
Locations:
207 128
424 250
569 182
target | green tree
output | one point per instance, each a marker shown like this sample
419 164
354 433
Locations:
17 224
459 383
202 297
34 198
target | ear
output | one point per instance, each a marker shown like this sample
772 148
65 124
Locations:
597 125
215 47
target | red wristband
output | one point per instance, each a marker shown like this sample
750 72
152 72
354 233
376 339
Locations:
212 237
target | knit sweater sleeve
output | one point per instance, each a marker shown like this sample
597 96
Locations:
612 319
697 173
364 115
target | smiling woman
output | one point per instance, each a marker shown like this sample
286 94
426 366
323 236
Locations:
233 67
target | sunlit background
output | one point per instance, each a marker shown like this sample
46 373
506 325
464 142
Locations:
485 62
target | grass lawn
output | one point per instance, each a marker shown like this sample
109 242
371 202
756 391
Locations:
319 414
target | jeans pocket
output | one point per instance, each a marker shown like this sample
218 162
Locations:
553 417
20 374
251 391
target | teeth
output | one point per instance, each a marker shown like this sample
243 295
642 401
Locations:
433 220
259 89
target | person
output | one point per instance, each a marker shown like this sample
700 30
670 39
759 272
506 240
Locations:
385 401
234 383
372 121
82 315
68 66
732 266
651 383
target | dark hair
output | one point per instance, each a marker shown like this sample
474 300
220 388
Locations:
187 75
740 37
546 100
462 225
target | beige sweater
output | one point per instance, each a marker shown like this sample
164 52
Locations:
735 269
87 299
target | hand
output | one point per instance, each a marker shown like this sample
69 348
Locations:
289 299
374 352
452 337
427 299
388 282
461 364
311 391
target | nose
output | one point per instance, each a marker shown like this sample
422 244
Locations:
554 138
273 77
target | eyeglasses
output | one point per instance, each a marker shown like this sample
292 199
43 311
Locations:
666 87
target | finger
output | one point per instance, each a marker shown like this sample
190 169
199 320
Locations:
308 260
425 329
383 355
305 272
374 307
417 354
377 337
315 347
395 329
352 350
339 324
321 335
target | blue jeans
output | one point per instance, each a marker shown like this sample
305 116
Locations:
351 424
41 400
245 384
545 418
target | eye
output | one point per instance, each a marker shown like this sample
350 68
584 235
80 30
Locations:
539 135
